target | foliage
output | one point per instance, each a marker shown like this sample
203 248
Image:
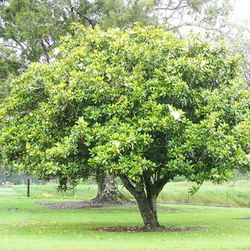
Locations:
33 28
237 36
206 14
29 30
141 104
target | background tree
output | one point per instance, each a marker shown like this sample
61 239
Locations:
9 66
31 29
207 14
141 104
238 37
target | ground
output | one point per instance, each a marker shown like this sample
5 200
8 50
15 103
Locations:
72 205
93 204
143 229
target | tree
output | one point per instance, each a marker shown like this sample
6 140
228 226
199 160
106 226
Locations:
141 104
237 36
31 29
206 14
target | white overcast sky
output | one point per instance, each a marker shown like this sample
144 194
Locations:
242 9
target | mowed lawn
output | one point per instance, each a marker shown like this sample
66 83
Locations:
25 225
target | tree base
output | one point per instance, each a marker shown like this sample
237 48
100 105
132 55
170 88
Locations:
108 191
110 197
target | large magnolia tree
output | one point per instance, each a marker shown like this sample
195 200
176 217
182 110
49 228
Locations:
29 30
140 104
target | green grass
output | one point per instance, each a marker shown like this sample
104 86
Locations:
83 192
232 193
235 194
24 225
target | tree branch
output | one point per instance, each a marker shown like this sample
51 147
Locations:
45 51
80 13
168 6
161 183
128 185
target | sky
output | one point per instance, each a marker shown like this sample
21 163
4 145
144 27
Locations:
242 9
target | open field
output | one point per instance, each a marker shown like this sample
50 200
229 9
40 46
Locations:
235 194
24 225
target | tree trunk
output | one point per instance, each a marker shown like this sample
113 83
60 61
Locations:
146 200
147 207
108 190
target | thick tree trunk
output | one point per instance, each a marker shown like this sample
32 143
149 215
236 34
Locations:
146 200
147 207
108 190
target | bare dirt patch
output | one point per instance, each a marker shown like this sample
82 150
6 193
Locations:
73 205
143 229
247 218
13 209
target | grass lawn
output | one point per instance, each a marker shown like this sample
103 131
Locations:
24 225
236 194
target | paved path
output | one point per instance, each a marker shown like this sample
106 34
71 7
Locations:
190 204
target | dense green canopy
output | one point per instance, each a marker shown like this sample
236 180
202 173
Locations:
140 104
